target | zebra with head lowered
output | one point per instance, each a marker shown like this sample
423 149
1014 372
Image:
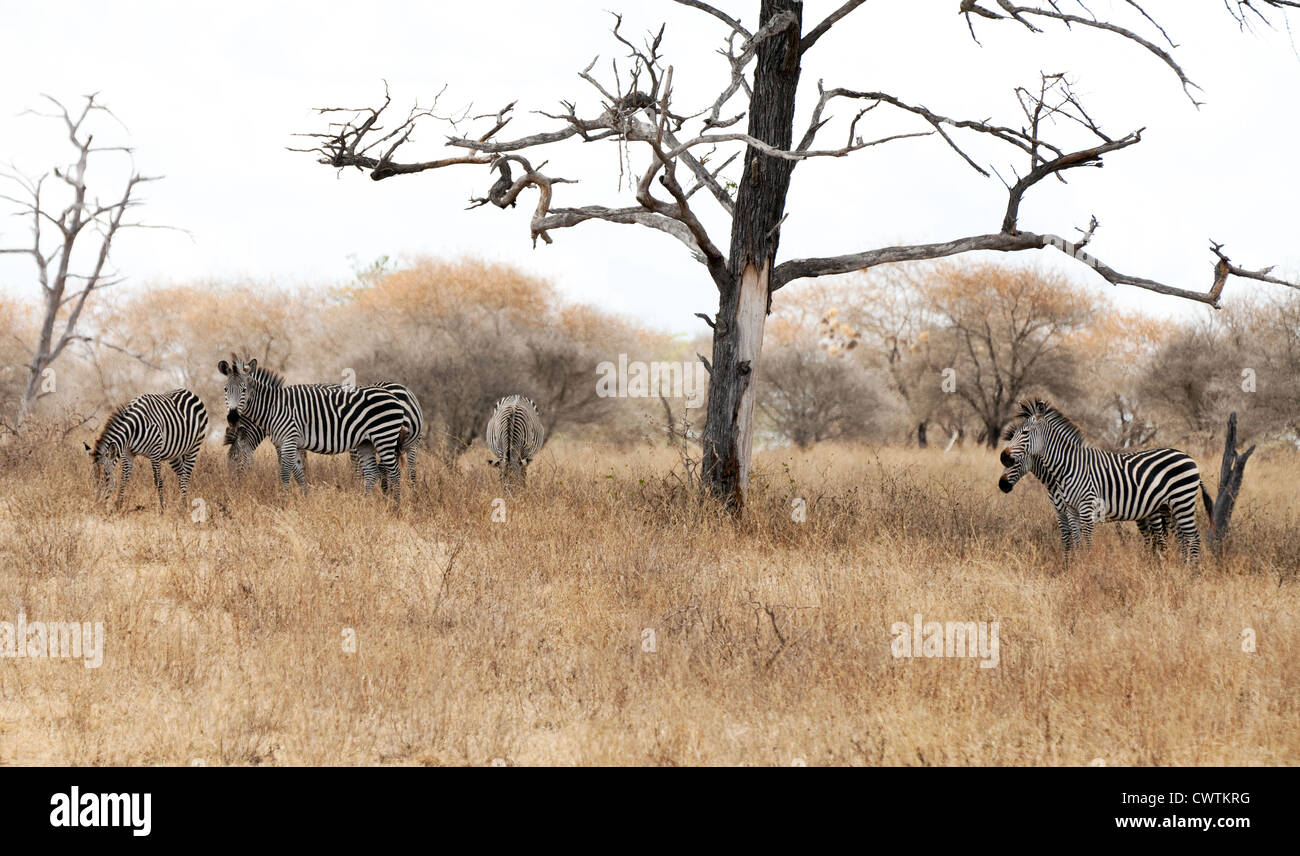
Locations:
163 427
243 437
325 419
515 436
1157 488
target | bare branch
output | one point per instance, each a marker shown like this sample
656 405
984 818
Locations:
721 16
787 272
824 27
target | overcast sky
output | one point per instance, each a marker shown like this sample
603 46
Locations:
212 92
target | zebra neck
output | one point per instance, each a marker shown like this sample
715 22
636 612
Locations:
1060 461
262 401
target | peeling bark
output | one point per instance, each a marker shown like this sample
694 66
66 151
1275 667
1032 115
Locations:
745 298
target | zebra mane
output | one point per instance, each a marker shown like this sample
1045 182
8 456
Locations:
113 419
518 399
1047 411
266 377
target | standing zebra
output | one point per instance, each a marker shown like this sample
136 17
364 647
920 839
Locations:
163 427
1157 487
515 435
328 420
243 437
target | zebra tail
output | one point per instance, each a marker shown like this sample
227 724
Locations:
1209 506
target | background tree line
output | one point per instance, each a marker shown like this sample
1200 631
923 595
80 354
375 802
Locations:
927 355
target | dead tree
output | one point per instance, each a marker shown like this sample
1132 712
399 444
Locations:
62 241
701 148
1231 471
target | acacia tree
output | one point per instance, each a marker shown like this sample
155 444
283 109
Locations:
637 110
81 232
1007 331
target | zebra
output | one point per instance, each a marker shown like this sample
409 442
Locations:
515 436
169 427
1156 487
244 437
314 418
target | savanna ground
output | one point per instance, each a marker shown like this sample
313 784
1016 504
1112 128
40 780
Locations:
523 642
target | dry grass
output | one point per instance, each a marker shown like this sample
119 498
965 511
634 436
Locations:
521 642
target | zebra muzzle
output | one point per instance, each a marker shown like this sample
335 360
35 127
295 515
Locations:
1006 458
1005 484
232 417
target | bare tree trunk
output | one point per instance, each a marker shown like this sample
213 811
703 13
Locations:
745 298
65 292
1231 472
920 434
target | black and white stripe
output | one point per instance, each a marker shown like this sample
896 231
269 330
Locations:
329 420
515 436
1157 488
163 427
243 437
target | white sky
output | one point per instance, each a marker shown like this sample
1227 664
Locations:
212 92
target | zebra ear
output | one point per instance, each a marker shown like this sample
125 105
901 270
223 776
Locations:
252 364
88 449
223 367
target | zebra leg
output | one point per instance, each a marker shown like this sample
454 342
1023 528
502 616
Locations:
300 470
157 481
1189 538
1067 532
366 465
127 463
388 463
1148 536
291 466
411 452
1075 526
1162 525
184 467
1085 530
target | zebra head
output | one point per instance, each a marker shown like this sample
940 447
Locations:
105 456
238 376
1025 439
1044 440
242 438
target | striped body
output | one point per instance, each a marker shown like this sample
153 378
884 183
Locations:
328 420
515 435
243 437
1157 488
162 427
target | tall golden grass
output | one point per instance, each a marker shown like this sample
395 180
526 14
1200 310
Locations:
612 620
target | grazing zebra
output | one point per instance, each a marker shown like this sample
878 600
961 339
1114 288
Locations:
243 437
515 435
1157 487
328 420
163 427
